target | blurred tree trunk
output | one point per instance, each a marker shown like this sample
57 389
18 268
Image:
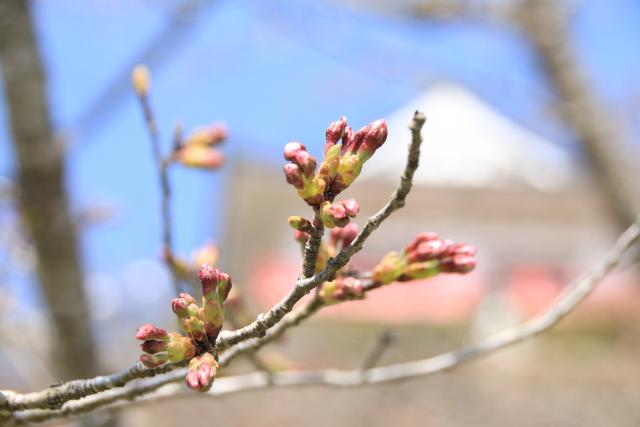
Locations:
42 197
613 159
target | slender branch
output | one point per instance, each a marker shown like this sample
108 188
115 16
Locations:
312 247
162 166
568 300
56 396
377 350
304 286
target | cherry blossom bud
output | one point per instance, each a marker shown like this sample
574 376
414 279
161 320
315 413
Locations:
389 268
422 237
375 135
420 270
351 140
306 162
200 157
351 207
141 80
180 305
299 223
294 175
153 346
333 215
342 289
180 348
343 236
334 132
292 149
202 372
153 360
150 332
429 250
209 136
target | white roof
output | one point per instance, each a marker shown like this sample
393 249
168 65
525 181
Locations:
468 143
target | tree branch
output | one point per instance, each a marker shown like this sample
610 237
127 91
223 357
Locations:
568 300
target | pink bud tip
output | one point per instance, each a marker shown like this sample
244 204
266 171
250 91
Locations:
150 332
210 277
375 135
351 207
335 131
293 174
293 148
344 235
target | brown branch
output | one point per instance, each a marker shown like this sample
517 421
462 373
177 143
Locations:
312 246
55 396
303 286
162 166
614 160
41 194
568 300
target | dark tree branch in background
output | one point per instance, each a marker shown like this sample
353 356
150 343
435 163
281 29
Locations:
613 159
40 189
570 298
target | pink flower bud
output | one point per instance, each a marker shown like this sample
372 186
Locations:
306 162
153 360
210 277
153 347
351 207
333 215
351 140
293 148
344 235
334 132
201 373
179 306
422 237
150 332
428 250
374 136
342 289
294 175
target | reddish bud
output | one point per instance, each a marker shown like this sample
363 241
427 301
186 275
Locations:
429 250
294 175
306 162
201 373
344 235
422 237
300 236
375 135
153 360
342 289
334 132
351 207
150 332
293 148
153 346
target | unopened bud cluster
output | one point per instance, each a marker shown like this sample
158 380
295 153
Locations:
426 256
201 325
198 150
343 288
345 152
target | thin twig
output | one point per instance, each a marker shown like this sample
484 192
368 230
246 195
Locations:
162 165
377 350
568 300
304 286
54 397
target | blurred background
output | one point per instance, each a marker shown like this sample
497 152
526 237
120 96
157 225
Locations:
530 154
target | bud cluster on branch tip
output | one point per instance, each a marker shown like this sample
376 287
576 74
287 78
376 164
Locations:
198 149
343 288
141 80
201 373
426 256
338 214
201 324
342 162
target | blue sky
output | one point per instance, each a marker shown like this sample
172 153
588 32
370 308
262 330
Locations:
275 71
